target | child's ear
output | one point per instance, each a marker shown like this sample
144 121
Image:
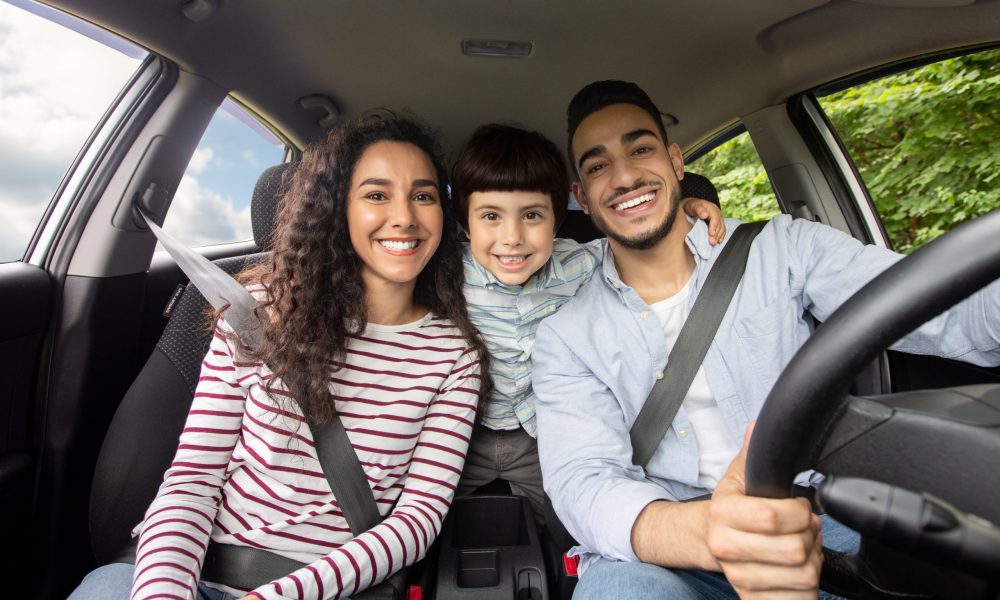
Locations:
581 197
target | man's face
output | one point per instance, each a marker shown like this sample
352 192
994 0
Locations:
628 175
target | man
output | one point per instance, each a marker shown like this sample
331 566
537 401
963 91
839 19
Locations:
597 360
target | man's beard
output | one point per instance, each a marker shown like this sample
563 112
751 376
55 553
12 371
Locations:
646 240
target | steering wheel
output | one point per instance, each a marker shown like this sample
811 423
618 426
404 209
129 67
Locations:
898 465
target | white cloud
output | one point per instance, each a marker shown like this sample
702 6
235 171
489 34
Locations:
200 160
21 214
200 216
54 86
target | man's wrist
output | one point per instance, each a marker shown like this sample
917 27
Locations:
674 534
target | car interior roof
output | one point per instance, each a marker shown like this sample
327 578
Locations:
708 64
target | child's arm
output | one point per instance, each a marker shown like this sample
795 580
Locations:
707 211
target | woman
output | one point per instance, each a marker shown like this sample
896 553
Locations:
363 320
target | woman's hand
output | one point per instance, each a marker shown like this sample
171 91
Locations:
709 212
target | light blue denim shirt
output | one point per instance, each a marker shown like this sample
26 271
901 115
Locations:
597 359
507 316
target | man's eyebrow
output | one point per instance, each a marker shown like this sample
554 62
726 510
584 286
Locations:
595 151
628 138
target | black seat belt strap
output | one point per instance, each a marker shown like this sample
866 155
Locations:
692 344
340 462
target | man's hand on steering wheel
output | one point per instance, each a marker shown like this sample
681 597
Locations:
766 548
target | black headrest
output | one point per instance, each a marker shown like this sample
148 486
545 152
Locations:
264 204
698 186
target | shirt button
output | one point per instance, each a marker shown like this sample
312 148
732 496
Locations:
615 285
659 375
644 314
683 433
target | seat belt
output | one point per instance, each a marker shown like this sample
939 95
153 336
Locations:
692 344
241 566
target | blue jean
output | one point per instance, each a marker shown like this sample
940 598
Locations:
643 581
114 582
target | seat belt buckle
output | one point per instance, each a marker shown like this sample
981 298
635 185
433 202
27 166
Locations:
571 565
414 592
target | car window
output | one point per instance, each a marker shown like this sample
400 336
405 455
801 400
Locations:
212 203
925 144
744 189
57 78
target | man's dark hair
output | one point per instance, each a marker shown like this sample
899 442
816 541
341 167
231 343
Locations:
601 94
502 158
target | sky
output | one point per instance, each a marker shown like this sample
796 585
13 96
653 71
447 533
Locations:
54 86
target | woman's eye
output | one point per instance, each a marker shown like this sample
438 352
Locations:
425 197
376 196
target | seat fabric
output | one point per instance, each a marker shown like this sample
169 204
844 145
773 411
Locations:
142 438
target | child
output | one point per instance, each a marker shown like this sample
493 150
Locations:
511 192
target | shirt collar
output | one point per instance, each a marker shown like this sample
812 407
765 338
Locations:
696 241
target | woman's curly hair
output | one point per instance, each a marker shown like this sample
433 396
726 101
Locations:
313 296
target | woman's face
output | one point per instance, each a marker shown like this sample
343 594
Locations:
394 214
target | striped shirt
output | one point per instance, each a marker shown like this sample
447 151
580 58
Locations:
507 316
246 471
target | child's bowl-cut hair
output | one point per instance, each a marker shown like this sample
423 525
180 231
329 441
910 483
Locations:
502 158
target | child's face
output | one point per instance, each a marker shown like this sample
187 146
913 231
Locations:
511 233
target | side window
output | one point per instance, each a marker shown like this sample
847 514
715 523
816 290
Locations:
56 82
744 189
925 144
212 203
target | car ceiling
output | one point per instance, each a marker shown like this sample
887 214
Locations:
707 63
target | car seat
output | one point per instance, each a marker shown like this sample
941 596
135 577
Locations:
142 438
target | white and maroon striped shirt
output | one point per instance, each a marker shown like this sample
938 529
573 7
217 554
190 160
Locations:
246 470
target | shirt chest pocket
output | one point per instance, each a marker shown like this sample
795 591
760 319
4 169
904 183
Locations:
767 339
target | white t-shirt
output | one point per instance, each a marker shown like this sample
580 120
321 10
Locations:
715 449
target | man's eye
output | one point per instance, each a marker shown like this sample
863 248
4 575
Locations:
594 168
643 150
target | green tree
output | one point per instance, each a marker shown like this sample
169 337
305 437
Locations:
924 142
744 190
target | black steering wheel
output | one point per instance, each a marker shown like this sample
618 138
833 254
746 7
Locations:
906 470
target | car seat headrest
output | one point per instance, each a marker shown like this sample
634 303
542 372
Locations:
264 205
698 186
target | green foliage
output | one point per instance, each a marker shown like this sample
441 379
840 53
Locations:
924 142
744 189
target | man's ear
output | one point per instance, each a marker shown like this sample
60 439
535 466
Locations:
676 159
581 197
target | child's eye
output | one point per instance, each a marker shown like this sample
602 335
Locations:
533 215
491 216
